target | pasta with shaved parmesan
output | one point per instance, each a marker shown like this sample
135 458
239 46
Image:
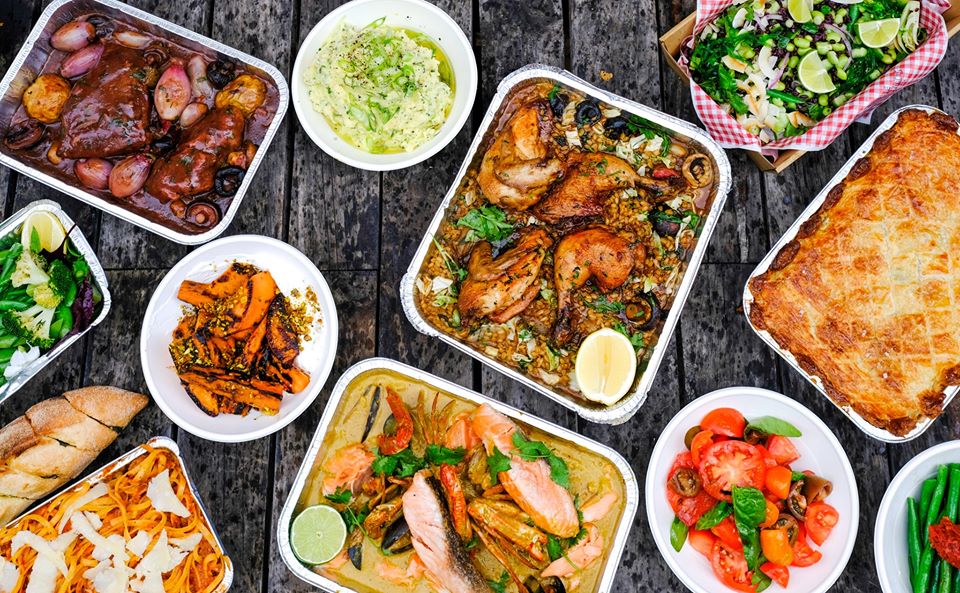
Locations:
111 537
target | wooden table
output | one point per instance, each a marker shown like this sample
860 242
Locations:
362 228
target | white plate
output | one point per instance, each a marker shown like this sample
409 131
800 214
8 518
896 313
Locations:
819 451
415 15
291 270
890 533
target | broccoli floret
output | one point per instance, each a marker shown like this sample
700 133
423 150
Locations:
32 324
29 269
52 293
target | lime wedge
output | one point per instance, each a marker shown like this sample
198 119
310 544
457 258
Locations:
800 11
606 366
813 74
878 33
317 534
48 228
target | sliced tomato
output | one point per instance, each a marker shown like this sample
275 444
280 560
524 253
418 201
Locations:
803 554
700 442
782 450
724 421
773 513
820 520
702 541
688 508
779 574
726 531
731 568
767 457
778 481
776 547
728 464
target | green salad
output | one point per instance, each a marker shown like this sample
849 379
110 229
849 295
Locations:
781 67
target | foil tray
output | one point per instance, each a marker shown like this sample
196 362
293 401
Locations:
29 62
532 73
96 270
126 459
631 487
871 430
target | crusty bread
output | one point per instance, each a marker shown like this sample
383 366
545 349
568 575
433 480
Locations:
56 439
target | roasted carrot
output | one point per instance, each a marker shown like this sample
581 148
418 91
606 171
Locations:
263 289
204 398
298 379
281 340
267 403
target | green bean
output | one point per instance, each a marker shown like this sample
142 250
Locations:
922 582
6 354
9 341
7 305
936 501
925 494
913 536
953 496
946 578
956 580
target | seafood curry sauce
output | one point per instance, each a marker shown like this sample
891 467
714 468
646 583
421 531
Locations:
577 217
414 474
146 124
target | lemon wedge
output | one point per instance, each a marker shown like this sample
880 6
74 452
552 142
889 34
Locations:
813 74
317 534
878 33
49 229
800 11
606 366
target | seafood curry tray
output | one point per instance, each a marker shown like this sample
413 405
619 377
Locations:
449 517
575 210
143 119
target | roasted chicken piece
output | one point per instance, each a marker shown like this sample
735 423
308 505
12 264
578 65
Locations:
594 252
108 112
503 287
191 168
516 169
589 179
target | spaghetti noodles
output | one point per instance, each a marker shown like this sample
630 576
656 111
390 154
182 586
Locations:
123 510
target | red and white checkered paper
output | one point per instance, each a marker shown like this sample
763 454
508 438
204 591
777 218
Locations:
730 134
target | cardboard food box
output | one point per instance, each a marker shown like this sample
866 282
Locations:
672 40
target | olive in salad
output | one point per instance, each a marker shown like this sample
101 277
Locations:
781 66
46 292
739 502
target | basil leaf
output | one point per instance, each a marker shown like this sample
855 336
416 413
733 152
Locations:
760 581
678 533
771 425
750 538
797 476
749 506
497 462
714 516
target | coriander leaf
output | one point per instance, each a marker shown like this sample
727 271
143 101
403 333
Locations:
771 425
340 496
488 223
554 549
714 516
473 543
532 450
678 533
559 472
459 273
635 339
384 465
403 464
604 305
500 586
437 455
497 462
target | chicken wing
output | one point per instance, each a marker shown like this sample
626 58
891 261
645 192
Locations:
589 178
594 252
516 170
500 288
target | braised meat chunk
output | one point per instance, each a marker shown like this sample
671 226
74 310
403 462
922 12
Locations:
108 112
190 169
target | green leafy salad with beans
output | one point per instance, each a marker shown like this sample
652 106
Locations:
46 295
781 66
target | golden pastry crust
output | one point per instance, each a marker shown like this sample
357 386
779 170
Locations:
867 296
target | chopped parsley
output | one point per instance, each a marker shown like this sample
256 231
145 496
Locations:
604 305
635 339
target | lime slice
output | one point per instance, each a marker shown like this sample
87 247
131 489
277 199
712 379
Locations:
878 33
801 11
813 74
606 366
48 228
317 534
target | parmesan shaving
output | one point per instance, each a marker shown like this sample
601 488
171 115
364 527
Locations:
89 496
164 499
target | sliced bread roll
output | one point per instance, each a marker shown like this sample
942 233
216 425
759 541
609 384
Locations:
56 439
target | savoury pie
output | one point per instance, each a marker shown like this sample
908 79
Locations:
867 296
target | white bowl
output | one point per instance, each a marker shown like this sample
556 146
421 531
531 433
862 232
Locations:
819 451
291 270
416 15
890 533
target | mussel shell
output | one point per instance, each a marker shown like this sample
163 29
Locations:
588 113
374 410
558 104
355 552
396 538
547 585
616 128
227 181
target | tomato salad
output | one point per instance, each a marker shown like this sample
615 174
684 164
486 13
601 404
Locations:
740 503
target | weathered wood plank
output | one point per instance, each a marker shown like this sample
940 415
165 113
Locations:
410 199
123 245
356 297
334 209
